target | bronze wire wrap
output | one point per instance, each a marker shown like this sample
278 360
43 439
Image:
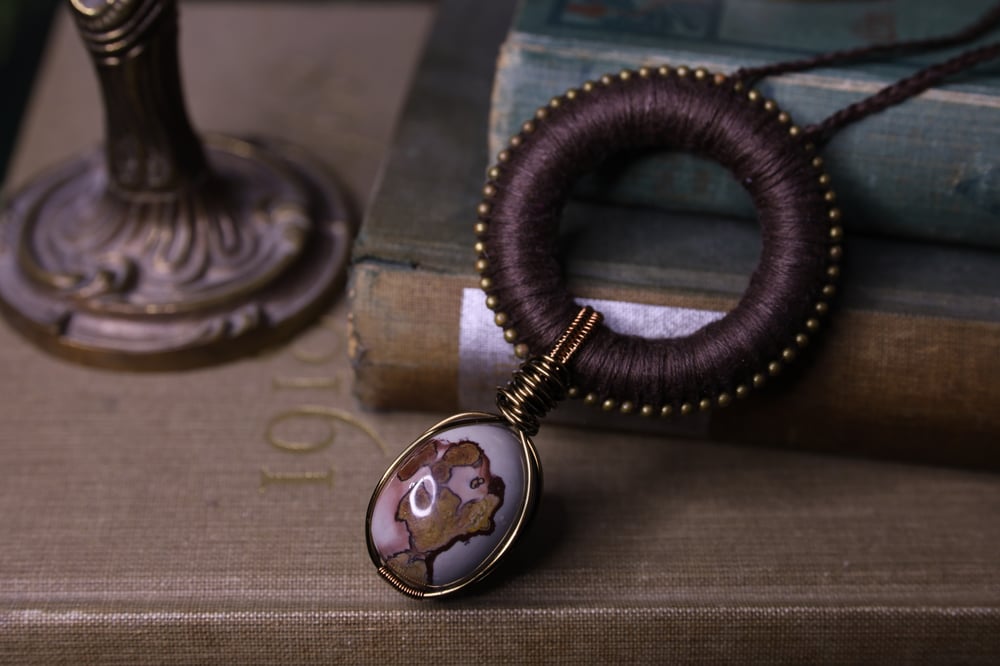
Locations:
544 380
716 116
400 586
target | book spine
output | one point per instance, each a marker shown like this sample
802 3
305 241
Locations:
895 385
926 169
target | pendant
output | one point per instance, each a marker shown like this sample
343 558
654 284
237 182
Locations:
457 499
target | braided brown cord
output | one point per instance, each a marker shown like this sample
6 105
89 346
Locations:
985 23
897 92
900 91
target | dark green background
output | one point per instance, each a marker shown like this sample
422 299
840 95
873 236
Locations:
24 26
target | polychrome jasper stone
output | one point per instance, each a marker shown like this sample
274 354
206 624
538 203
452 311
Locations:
451 504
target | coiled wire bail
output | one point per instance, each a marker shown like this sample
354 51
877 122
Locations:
543 381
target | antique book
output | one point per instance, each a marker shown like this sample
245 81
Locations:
925 169
217 515
908 367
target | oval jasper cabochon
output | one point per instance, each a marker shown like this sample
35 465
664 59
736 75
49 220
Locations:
450 501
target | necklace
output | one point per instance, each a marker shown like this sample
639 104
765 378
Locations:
455 501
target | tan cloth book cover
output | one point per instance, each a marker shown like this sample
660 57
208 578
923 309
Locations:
217 515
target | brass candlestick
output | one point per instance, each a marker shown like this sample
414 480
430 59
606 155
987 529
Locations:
160 251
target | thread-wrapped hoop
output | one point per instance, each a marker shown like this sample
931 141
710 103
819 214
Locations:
670 109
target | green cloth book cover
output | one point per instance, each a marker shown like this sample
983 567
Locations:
925 169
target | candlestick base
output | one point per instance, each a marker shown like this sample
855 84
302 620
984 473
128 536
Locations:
152 281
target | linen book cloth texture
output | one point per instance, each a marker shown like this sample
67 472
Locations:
168 519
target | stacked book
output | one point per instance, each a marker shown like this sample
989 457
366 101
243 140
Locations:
910 364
